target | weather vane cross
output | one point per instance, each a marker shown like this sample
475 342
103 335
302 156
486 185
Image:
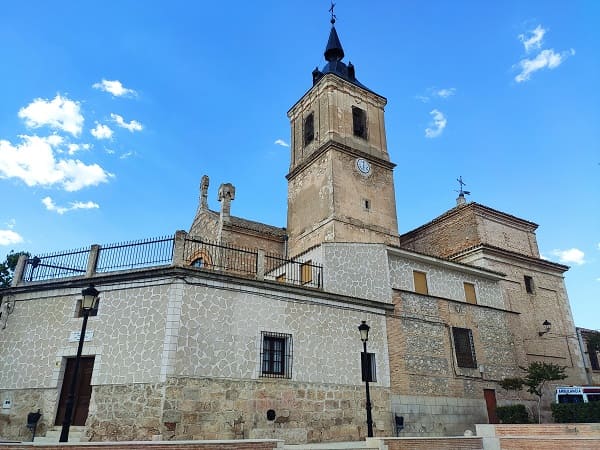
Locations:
461 183
332 14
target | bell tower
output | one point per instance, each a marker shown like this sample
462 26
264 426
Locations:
340 182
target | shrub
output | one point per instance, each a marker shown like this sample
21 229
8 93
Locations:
576 412
512 414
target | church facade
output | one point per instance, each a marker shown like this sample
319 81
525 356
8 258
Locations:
238 329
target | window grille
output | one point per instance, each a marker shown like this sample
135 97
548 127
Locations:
464 348
528 284
276 355
593 357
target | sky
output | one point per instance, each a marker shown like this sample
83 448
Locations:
111 112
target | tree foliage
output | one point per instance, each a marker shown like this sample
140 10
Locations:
539 373
7 267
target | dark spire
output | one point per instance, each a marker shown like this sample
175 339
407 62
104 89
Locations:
334 53
334 50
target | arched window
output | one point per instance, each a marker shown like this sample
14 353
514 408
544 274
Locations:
201 260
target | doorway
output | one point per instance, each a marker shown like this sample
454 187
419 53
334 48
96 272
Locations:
490 403
83 391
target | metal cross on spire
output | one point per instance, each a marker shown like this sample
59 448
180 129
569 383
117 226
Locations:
332 14
461 183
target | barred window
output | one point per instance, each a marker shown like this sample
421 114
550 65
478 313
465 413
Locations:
276 355
593 357
464 348
528 284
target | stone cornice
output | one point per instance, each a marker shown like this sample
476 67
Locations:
446 263
480 210
343 149
194 275
340 84
490 249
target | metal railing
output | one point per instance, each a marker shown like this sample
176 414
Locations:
226 258
56 265
135 254
178 250
298 272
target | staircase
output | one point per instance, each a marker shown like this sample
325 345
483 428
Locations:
53 435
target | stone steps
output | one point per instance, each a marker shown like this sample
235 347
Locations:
53 435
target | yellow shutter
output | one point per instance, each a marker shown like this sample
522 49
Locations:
470 296
420 279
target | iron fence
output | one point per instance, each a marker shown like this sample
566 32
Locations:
226 258
135 254
56 265
298 272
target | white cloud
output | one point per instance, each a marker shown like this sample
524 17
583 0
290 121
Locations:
281 142
51 206
572 255
109 151
545 59
533 39
114 87
33 161
10 237
132 126
126 155
59 113
438 124
101 131
433 93
445 93
74 148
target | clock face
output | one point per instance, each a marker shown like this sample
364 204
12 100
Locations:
363 166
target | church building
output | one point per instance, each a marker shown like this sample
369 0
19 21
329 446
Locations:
238 329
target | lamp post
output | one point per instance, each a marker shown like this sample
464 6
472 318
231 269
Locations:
89 300
547 325
364 337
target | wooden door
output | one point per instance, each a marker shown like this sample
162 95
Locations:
83 391
490 403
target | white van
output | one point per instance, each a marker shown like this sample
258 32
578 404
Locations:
577 394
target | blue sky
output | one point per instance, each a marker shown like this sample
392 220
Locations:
111 112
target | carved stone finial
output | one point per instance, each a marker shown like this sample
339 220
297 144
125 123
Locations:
226 195
204 192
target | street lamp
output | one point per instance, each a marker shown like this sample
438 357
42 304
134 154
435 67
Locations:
547 325
364 337
89 300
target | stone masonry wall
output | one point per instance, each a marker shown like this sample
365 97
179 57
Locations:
429 389
220 334
357 270
444 281
305 412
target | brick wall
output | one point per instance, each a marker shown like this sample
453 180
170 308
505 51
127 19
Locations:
447 443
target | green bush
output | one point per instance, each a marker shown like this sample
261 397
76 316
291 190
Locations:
512 414
576 412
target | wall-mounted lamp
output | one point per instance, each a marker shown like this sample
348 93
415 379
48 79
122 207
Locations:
547 326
